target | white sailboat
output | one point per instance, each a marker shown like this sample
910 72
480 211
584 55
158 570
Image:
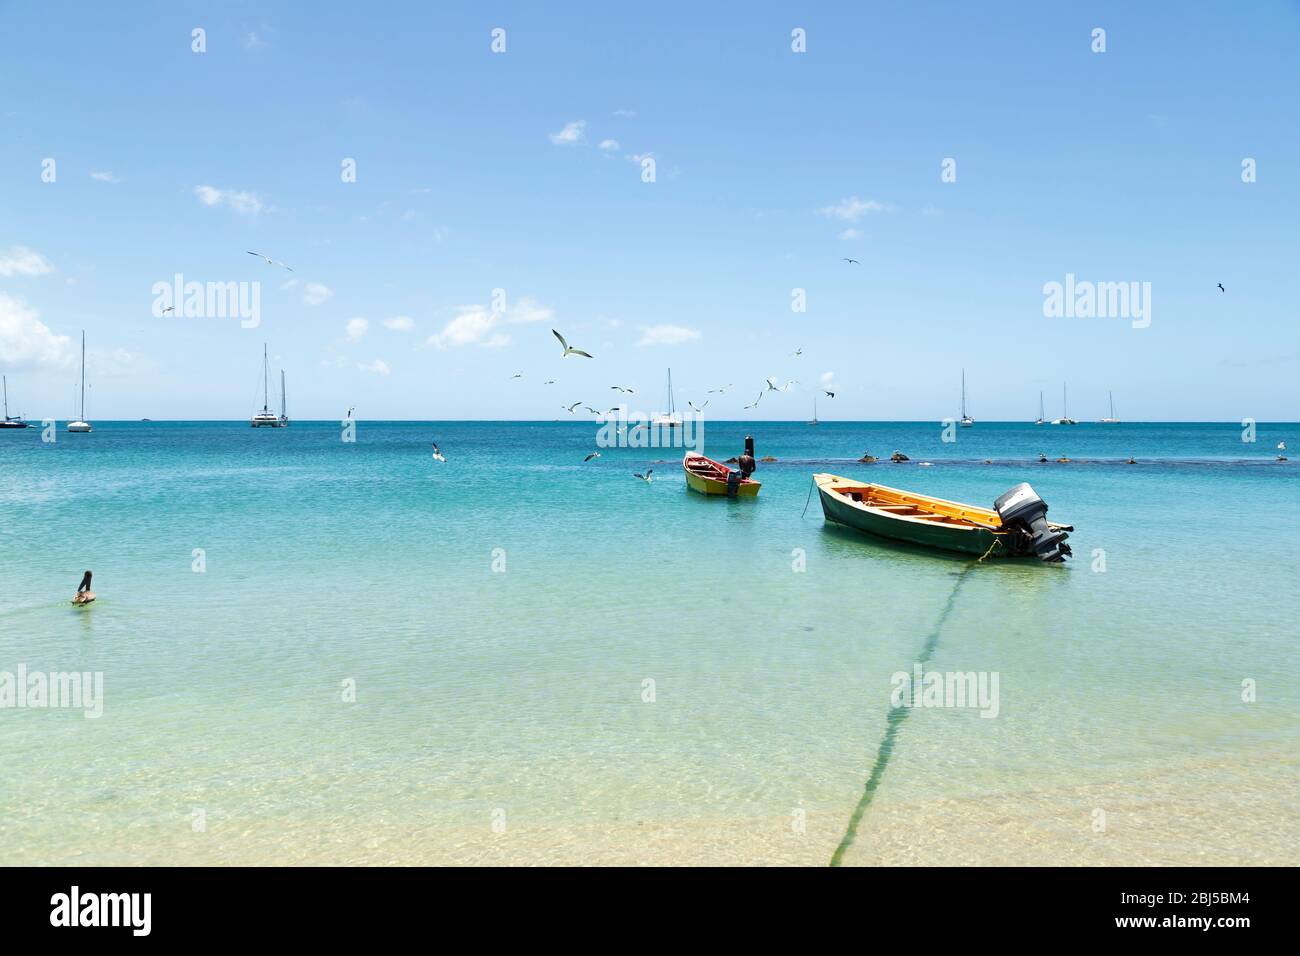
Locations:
284 409
81 425
1041 420
966 420
1112 420
1065 418
267 418
8 422
671 418
814 418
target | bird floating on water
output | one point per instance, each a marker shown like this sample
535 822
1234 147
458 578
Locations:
568 349
269 260
594 454
437 454
646 476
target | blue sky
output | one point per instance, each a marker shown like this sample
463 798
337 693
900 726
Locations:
771 166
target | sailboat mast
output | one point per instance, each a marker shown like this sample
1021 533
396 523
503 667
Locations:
6 384
82 416
963 393
1065 402
672 408
1112 404
282 393
1040 406
266 372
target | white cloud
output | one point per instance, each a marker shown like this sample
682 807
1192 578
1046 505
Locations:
254 42
850 233
574 132
27 342
399 323
378 366
357 328
851 209
104 177
667 335
21 261
313 293
628 114
242 201
828 378
478 325
609 145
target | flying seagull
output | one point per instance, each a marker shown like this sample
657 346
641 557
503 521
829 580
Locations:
625 391
567 350
646 476
698 408
269 260
170 308
771 386
797 352
829 392
756 401
351 410
854 262
517 375
570 408
549 381
438 455
594 454
720 391
590 409
1221 288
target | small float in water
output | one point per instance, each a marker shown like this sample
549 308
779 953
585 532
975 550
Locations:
1016 526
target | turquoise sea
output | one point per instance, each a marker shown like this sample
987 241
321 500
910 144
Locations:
553 661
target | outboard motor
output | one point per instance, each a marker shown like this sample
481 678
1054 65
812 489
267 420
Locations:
1022 511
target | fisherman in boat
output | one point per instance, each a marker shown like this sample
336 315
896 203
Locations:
745 463
84 594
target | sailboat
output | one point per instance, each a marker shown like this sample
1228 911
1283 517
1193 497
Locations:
81 425
671 418
1041 419
1112 420
966 420
284 409
267 418
11 422
1065 418
814 420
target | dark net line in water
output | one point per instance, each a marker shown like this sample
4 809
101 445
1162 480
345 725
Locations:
894 723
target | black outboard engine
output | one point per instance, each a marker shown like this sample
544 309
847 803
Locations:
1023 512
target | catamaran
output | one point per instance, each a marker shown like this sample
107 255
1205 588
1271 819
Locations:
11 422
267 418
1112 420
1041 419
671 418
1065 418
966 420
81 425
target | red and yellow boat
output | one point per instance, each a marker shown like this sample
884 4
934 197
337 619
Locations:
710 477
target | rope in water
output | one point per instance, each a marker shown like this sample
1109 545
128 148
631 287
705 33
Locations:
895 722
812 483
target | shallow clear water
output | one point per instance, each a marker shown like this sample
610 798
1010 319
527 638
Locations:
500 715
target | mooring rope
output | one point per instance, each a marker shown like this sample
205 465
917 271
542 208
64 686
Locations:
812 483
894 723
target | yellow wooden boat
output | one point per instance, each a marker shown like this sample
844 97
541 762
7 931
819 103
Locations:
710 477
1014 526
